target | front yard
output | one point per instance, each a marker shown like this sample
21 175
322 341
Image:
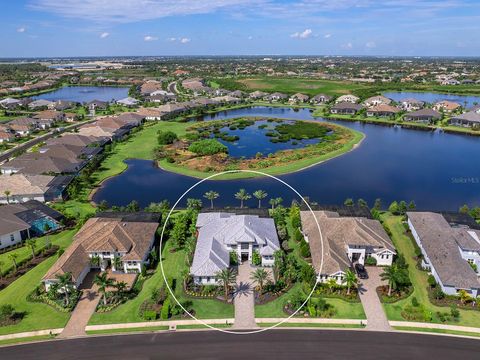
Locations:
405 246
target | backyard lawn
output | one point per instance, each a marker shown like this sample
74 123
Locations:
37 316
405 246
173 264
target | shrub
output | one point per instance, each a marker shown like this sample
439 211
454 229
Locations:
454 312
233 258
438 293
370 261
166 137
165 313
415 302
256 258
7 312
207 147
431 281
304 249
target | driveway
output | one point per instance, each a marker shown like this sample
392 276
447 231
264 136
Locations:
376 318
243 299
84 310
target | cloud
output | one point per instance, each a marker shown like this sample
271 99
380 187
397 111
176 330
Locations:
150 38
347 46
327 36
135 10
21 29
104 35
185 40
302 35
371 44
250 37
172 39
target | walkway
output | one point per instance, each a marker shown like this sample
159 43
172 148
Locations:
376 318
244 299
84 310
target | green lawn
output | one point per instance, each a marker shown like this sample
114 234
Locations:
405 246
294 85
37 316
61 239
173 265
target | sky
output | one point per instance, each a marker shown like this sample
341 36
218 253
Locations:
55 28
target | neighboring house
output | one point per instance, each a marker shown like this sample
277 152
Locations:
71 117
346 241
446 106
36 163
238 94
6 136
382 110
97 105
320 99
47 118
345 107
37 104
299 98
257 95
128 101
347 98
10 103
150 86
19 222
276 96
222 233
423 115
468 119
151 113
129 238
377 100
227 100
61 105
23 188
448 250
411 104
206 102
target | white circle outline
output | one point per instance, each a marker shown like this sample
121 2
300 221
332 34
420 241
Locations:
163 272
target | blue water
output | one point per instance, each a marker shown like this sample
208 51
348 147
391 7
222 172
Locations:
433 97
438 171
253 140
38 226
85 93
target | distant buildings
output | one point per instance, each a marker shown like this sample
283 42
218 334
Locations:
423 115
346 108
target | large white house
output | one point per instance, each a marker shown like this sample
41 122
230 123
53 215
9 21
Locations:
346 241
448 250
122 244
219 234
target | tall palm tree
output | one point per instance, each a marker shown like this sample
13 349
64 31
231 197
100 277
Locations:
64 283
14 257
390 274
32 244
260 195
95 260
121 287
350 280
227 278
275 202
260 276
7 194
117 263
242 195
103 282
211 195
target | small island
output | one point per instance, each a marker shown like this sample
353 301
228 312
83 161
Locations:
270 145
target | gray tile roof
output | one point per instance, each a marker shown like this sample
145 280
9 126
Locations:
216 230
441 243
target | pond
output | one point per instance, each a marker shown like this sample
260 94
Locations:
438 171
83 94
253 139
431 97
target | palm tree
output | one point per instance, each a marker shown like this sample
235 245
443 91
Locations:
260 276
103 282
95 260
117 262
7 194
64 283
260 195
242 195
13 257
350 280
275 202
226 277
211 195
331 284
121 287
390 274
32 243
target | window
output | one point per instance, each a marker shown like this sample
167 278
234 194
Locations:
12 237
244 246
208 278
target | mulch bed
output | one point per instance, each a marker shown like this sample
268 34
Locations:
24 268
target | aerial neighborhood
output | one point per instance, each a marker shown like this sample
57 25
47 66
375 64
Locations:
88 229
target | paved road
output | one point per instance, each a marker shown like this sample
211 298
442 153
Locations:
244 299
377 320
275 344
172 87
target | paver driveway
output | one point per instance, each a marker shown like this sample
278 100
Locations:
376 318
243 299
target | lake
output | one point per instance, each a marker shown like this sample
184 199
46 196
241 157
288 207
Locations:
430 97
438 171
83 94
